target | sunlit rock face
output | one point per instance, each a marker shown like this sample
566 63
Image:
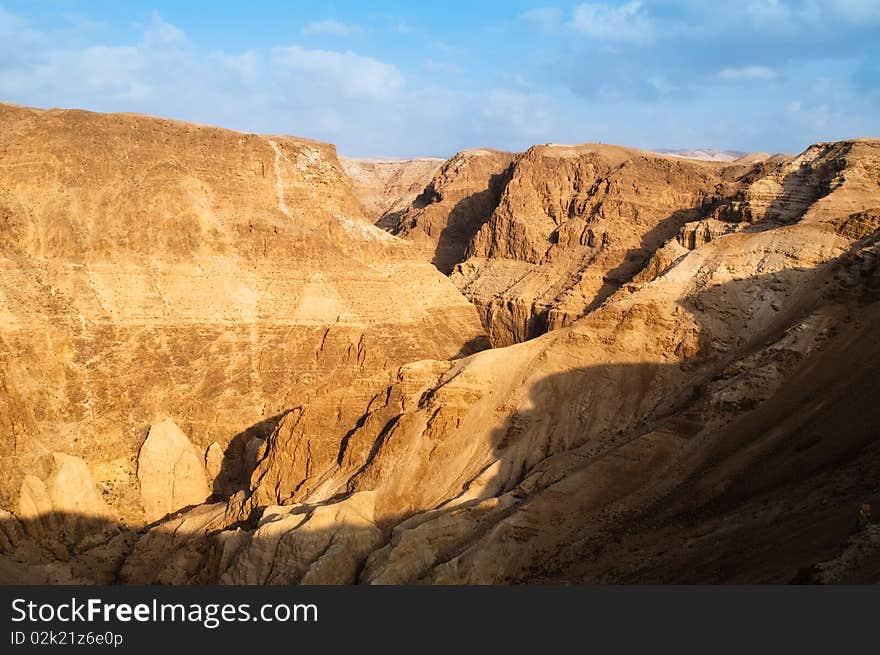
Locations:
538 239
214 370
151 267
171 472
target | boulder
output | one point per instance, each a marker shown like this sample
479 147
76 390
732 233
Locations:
171 472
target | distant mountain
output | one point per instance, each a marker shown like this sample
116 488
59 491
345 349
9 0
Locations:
709 154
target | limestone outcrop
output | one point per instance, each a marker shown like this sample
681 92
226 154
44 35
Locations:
566 226
387 187
453 207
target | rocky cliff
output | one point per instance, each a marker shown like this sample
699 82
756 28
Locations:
152 268
450 211
386 187
560 228
701 411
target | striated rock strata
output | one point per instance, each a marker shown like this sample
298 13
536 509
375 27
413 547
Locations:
564 227
155 267
702 411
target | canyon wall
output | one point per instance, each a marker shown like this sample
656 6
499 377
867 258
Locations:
695 403
387 187
152 269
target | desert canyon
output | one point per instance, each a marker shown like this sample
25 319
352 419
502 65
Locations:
242 359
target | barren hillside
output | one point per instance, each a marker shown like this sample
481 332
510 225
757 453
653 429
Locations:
153 268
684 392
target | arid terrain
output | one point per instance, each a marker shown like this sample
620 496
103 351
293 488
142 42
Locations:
241 358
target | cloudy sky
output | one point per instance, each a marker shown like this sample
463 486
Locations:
408 79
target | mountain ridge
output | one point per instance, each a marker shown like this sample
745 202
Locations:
684 363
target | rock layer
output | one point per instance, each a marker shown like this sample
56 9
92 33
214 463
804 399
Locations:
566 226
460 198
713 391
150 266
386 187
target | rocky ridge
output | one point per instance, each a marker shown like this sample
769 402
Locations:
701 410
566 226
150 267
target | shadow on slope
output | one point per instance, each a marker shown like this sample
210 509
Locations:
637 258
659 479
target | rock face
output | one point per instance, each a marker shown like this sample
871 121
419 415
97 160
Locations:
67 512
460 198
709 402
171 472
565 226
150 266
713 389
678 408
386 187
213 461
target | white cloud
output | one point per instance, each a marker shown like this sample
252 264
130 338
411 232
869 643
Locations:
748 74
601 22
351 74
786 16
364 105
441 67
769 12
330 27
159 32
247 66
856 10
402 27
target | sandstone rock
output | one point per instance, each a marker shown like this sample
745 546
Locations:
213 461
569 225
171 471
67 511
11 533
308 545
176 550
450 210
695 367
515 452
36 510
138 253
76 499
73 490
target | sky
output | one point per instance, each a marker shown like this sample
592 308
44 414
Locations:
408 79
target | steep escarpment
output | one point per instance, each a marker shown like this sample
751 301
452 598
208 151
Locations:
711 406
453 207
706 415
386 187
572 225
152 269
569 225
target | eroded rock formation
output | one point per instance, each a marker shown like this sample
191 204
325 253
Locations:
149 266
171 472
702 410
564 227
387 187
450 211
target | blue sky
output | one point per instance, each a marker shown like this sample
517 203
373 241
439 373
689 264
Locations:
408 79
